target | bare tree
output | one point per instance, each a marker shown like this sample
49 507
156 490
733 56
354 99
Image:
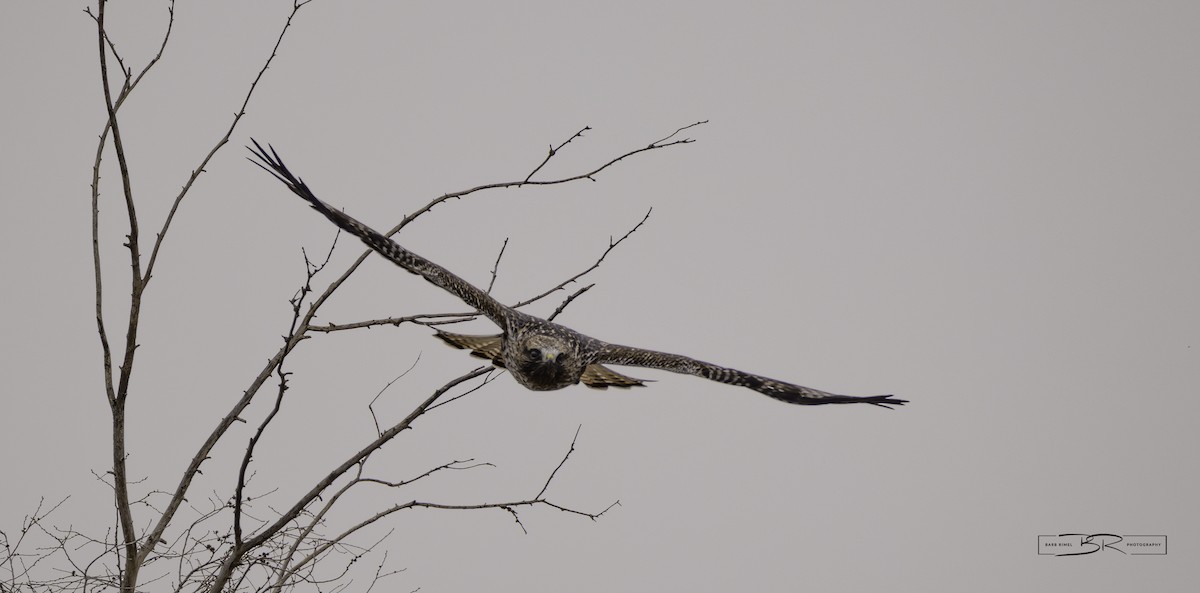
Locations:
187 541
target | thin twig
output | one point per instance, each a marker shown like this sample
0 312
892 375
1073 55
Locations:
395 321
590 175
553 151
487 380
453 465
496 266
371 406
568 300
570 450
611 245
672 134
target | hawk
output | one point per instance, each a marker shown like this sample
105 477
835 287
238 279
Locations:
539 354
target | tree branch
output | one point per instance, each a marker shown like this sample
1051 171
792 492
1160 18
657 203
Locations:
326 545
663 143
118 396
554 151
202 454
311 270
237 554
611 245
371 406
568 300
510 507
237 117
396 321
496 266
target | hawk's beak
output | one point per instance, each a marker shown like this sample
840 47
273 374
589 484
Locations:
549 355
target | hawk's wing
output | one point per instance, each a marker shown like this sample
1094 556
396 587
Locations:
384 246
594 375
482 346
598 376
787 392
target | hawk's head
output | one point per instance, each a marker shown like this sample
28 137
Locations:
545 362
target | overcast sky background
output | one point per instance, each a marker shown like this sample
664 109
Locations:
987 208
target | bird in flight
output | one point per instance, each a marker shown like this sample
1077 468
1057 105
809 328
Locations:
539 354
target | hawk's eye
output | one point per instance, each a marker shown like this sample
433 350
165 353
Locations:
535 353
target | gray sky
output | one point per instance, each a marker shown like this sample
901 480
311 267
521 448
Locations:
988 208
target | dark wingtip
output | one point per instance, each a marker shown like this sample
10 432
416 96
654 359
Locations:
271 163
268 159
884 401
